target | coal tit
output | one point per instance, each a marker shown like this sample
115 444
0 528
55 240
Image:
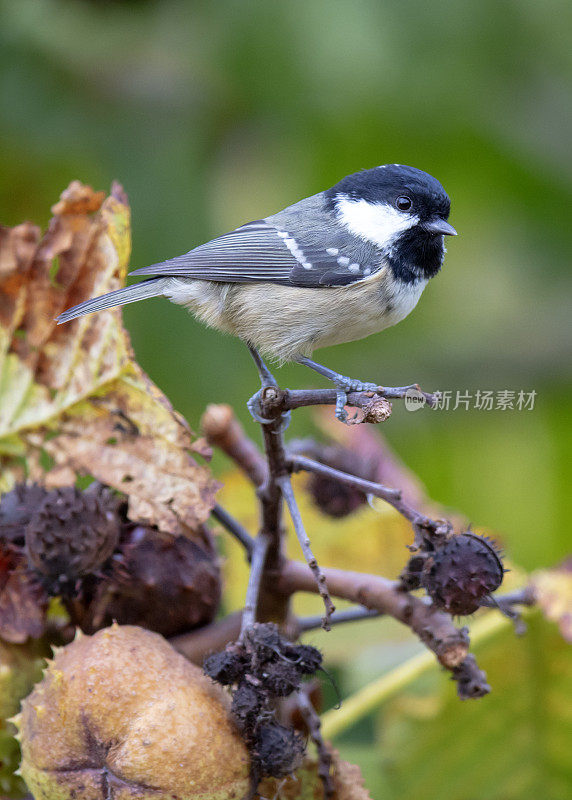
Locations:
334 267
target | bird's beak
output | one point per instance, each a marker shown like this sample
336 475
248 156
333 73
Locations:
440 226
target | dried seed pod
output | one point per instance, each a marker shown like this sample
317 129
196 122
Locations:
277 750
227 667
17 508
280 678
247 703
260 667
168 584
71 534
121 714
264 642
460 573
332 497
307 659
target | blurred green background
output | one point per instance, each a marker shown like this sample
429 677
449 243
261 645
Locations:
215 113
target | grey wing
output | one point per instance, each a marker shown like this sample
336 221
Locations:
259 251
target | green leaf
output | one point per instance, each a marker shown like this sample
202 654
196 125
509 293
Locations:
514 744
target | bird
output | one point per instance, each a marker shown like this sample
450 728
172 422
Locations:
334 267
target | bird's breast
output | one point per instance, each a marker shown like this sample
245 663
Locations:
288 321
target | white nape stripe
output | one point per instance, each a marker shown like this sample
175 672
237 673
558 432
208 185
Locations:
378 223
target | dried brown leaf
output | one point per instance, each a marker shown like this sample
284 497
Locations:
74 392
305 784
23 602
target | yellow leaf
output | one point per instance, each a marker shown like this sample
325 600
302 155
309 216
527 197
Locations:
74 392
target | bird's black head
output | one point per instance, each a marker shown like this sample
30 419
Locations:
401 210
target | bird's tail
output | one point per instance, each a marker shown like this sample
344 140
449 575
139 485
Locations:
129 294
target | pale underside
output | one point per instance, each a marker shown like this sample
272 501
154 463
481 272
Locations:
285 322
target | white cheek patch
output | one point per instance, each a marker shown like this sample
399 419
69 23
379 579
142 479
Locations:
379 223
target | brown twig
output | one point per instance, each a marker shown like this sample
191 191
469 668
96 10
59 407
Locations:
276 400
354 614
288 495
272 478
378 461
312 721
233 526
420 522
435 628
272 607
222 429
257 562
277 578
197 644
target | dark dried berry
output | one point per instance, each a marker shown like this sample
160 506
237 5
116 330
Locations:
17 508
246 705
280 678
462 572
264 640
226 667
72 533
277 750
307 659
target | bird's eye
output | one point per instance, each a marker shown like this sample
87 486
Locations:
404 203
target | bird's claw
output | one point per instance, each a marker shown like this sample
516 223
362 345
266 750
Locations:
344 386
341 400
254 407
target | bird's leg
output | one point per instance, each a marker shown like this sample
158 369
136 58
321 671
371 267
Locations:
266 379
343 385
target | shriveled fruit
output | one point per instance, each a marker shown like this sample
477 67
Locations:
71 534
17 508
466 569
122 714
168 584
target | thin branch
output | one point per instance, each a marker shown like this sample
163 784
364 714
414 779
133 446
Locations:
273 607
520 597
288 494
257 562
354 614
312 720
276 400
435 628
391 496
222 429
273 579
233 526
197 644
505 603
365 446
